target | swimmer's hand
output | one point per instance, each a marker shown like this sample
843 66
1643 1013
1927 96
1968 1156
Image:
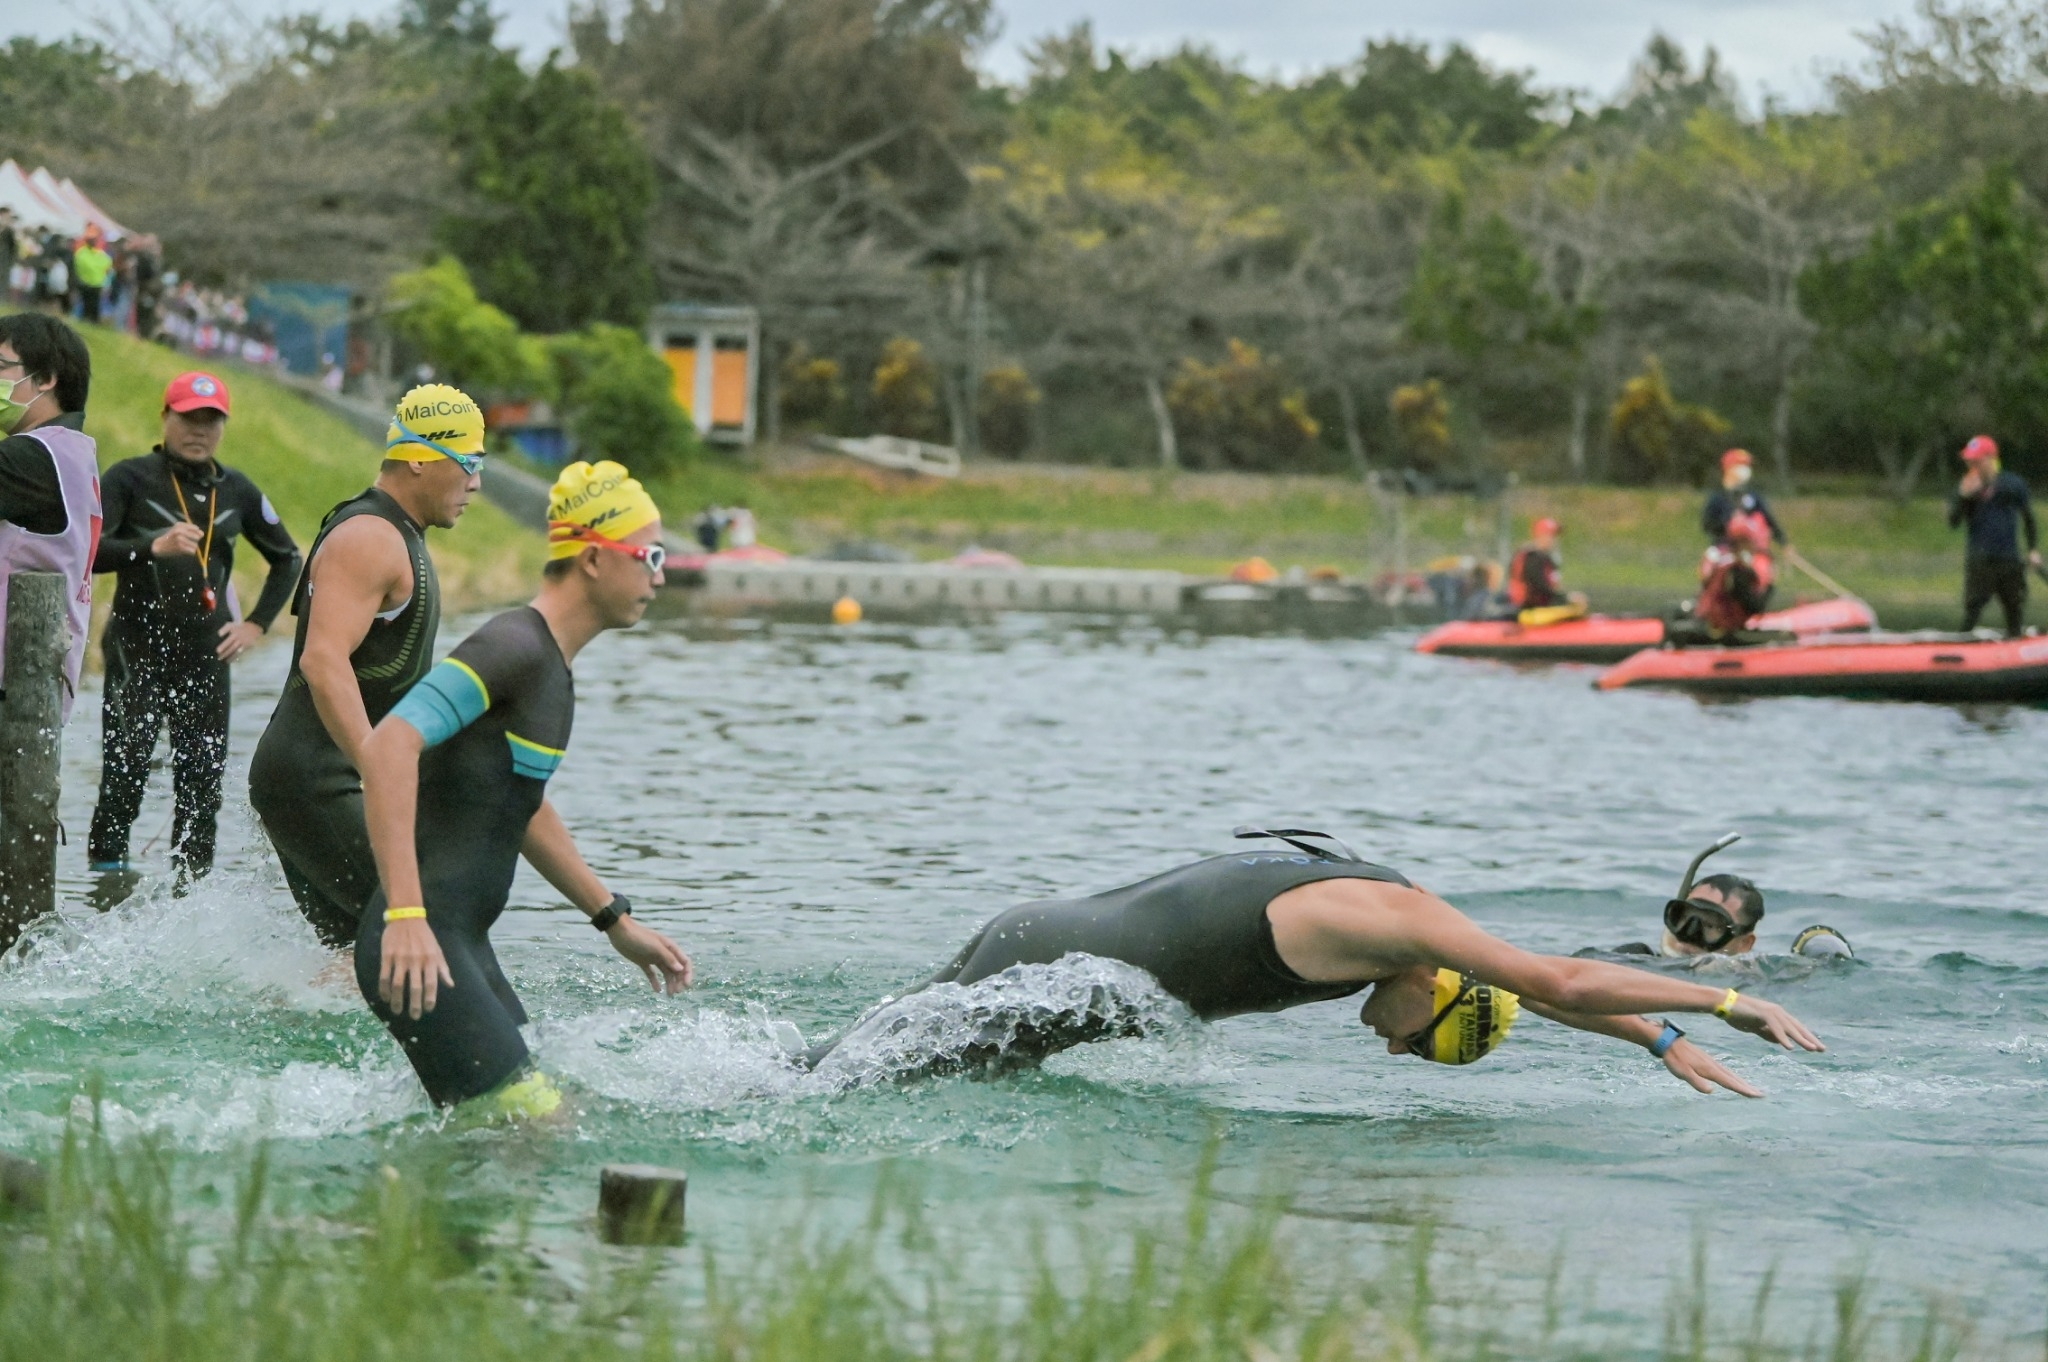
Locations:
659 958
1773 1023
413 968
1693 1065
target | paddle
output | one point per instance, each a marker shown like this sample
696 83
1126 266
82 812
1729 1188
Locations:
1798 560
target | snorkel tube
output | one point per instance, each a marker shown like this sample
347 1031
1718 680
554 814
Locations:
1692 871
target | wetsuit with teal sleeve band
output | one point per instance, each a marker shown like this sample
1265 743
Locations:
496 715
1201 930
307 794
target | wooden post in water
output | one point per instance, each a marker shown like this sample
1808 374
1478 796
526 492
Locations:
638 1204
31 733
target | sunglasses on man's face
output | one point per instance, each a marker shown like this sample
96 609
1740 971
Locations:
1708 926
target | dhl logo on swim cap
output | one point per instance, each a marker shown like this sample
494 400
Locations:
432 421
600 498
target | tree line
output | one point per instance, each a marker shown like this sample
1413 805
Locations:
1411 260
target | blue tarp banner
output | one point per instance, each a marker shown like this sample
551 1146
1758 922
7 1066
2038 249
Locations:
311 320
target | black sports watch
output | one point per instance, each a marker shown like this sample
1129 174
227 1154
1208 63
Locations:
608 917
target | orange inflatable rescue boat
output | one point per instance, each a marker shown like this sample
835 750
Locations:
1606 638
1880 667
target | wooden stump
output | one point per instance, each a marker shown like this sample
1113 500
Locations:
640 1204
24 1186
31 729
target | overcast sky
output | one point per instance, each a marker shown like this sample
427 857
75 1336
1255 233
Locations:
1781 47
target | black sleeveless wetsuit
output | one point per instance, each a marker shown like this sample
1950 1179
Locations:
1201 930
307 794
478 790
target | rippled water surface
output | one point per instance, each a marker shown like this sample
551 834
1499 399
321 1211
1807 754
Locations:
823 817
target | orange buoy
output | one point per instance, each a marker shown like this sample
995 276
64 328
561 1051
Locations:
846 610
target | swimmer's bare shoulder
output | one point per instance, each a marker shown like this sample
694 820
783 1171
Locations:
362 558
1339 930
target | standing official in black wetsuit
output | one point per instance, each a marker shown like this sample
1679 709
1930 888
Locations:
1262 931
455 787
1999 511
369 607
172 519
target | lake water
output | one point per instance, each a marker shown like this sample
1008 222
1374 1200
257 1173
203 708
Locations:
822 816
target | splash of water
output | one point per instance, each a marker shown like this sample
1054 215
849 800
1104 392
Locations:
1009 1020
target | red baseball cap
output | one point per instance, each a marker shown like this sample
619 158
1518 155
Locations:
190 392
1735 456
1980 447
1546 526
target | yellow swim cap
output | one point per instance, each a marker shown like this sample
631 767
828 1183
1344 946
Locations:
600 499
432 422
1471 1018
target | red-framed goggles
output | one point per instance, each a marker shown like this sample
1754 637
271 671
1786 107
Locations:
651 556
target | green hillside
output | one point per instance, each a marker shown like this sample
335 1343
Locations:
303 458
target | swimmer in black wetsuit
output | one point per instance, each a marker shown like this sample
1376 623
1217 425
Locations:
371 638
455 788
1265 931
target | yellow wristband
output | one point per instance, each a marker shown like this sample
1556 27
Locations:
1727 1003
416 913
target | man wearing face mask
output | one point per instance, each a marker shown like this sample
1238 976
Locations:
49 471
1735 497
172 519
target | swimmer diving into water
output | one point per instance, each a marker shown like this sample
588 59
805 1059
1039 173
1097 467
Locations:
455 791
1262 931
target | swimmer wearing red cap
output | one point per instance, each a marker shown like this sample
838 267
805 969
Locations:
1267 929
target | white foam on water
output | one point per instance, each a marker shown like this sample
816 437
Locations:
710 1060
223 1109
234 939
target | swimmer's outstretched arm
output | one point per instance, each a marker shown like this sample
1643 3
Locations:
1364 929
1590 988
1684 1060
550 849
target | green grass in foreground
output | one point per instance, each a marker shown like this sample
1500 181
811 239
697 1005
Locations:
302 457
116 1270
1629 546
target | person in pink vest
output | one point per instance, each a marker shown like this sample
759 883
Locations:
49 471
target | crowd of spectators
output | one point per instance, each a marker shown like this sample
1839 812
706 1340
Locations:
124 284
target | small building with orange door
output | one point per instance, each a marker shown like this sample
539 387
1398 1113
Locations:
714 353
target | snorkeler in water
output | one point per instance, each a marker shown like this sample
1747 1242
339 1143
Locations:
1719 915
1266 930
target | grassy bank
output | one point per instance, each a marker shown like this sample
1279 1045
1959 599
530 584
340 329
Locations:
1624 546
128 1262
304 459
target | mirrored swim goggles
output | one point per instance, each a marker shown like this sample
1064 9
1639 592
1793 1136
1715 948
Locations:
651 556
1708 926
470 464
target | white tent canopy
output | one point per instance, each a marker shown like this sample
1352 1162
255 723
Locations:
31 209
44 203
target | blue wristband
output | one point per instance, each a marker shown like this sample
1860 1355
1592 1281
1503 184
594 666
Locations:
1665 1040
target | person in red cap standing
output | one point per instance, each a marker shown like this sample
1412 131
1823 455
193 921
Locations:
1999 510
1735 497
172 518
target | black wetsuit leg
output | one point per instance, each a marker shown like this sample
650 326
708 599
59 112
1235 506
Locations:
151 682
129 723
310 802
470 1043
198 718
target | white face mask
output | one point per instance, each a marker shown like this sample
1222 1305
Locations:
1739 475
